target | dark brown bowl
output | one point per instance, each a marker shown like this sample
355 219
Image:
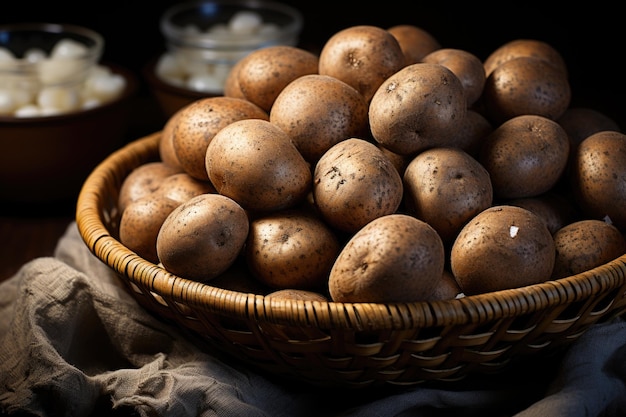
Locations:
45 160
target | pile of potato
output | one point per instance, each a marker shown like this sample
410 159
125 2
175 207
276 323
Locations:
386 168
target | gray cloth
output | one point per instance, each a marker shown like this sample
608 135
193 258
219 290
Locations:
74 343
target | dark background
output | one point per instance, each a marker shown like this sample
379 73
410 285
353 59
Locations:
590 38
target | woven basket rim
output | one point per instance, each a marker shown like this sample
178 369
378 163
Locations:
467 309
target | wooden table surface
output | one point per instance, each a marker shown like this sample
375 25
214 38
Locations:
28 237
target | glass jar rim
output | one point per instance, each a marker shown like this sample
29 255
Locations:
179 36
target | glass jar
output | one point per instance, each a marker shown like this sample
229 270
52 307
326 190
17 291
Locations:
204 39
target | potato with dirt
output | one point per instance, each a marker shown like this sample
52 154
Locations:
417 108
394 258
354 182
256 163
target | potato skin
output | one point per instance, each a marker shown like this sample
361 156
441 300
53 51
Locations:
466 66
362 56
446 187
416 108
263 73
143 180
530 48
255 163
502 247
394 258
197 124
523 86
182 186
354 182
525 156
202 237
141 221
414 41
584 245
599 177
318 111
291 249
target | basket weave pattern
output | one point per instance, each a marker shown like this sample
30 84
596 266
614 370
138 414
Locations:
345 344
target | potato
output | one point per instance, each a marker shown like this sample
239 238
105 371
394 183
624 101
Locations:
255 163
532 48
446 289
465 65
599 177
581 122
523 86
584 245
318 111
471 133
239 278
291 249
446 187
555 209
263 73
525 156
231 84
414 41
182 186
294 294
502 247
394 258
141 221
354 182
362 56
202 237
143 180
166 143
416 108
199 121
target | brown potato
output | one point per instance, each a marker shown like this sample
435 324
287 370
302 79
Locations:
471 133
182 186
199 121
447 288
291 249
523 86
466 66
354 182
555 209
598 172
202 237
255 163
502 247
394 258
294 294
362 56
584 245
582 122
414 41
166 143
416 108
231 84
143 180
446 187
318 111
525 156
517 48
141 221
264 73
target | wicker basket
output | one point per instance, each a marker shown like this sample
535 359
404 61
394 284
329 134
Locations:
350 345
